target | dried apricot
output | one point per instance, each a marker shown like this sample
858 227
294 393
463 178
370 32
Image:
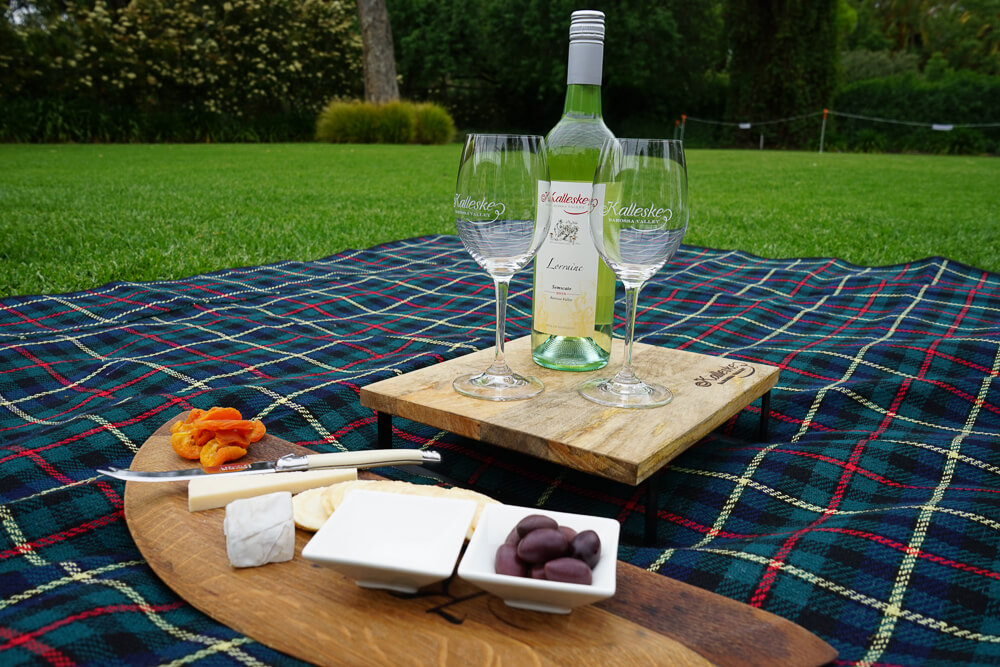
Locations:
258 430
215 453
221 413
221 431
184 445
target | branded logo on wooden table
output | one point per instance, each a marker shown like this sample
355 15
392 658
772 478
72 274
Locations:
725 373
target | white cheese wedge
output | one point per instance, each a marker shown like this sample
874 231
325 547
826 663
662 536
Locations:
219 490
260 530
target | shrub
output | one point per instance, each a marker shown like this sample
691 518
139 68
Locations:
393 123
862 64
869 141
960 98
346 123
937 68
184 70
434 125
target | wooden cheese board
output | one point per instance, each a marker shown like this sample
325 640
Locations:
315 614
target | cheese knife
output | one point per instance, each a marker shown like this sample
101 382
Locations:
288 463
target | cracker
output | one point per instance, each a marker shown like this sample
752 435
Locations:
308 510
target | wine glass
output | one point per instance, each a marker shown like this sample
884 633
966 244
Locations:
640 216
502 215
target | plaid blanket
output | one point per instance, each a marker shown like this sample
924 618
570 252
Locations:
871 516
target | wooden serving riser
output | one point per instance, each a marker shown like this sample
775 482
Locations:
559 425
315 614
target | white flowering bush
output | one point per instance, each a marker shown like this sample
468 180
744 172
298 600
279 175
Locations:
177 70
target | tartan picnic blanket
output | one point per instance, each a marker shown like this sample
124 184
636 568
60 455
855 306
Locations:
870 516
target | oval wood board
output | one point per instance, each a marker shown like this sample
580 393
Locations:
314 613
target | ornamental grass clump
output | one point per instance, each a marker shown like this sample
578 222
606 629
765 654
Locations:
391 123
434 125
395 123
346 123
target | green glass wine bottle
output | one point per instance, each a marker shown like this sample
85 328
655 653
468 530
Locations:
574 291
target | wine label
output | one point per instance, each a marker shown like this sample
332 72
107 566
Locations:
566 267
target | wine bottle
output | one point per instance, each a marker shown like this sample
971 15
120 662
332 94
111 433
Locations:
574 291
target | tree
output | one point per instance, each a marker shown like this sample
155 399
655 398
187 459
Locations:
784 63
966 33
378 55
502 65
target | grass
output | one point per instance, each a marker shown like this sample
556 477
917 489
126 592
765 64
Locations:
76 216
867 209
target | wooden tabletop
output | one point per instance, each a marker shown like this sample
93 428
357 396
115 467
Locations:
559 425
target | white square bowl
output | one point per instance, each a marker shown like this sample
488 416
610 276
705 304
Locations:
393 541
556 597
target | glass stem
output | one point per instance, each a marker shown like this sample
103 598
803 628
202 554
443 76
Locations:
626 375
499 366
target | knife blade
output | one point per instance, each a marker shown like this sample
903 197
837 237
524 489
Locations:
288 463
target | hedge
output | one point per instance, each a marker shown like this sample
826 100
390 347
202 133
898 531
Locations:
958 98
225 70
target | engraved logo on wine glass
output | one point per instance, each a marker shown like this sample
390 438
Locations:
652 214
468 206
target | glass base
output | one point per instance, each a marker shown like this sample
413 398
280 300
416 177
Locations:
490 387
565 353
607 391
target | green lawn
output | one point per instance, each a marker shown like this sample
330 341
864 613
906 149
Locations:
77 216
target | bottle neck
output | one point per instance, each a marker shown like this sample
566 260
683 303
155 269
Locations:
582 100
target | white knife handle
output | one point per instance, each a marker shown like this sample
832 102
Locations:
372 458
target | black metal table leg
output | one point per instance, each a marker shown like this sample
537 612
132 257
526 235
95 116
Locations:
765 414
384 420
384 430
652 499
